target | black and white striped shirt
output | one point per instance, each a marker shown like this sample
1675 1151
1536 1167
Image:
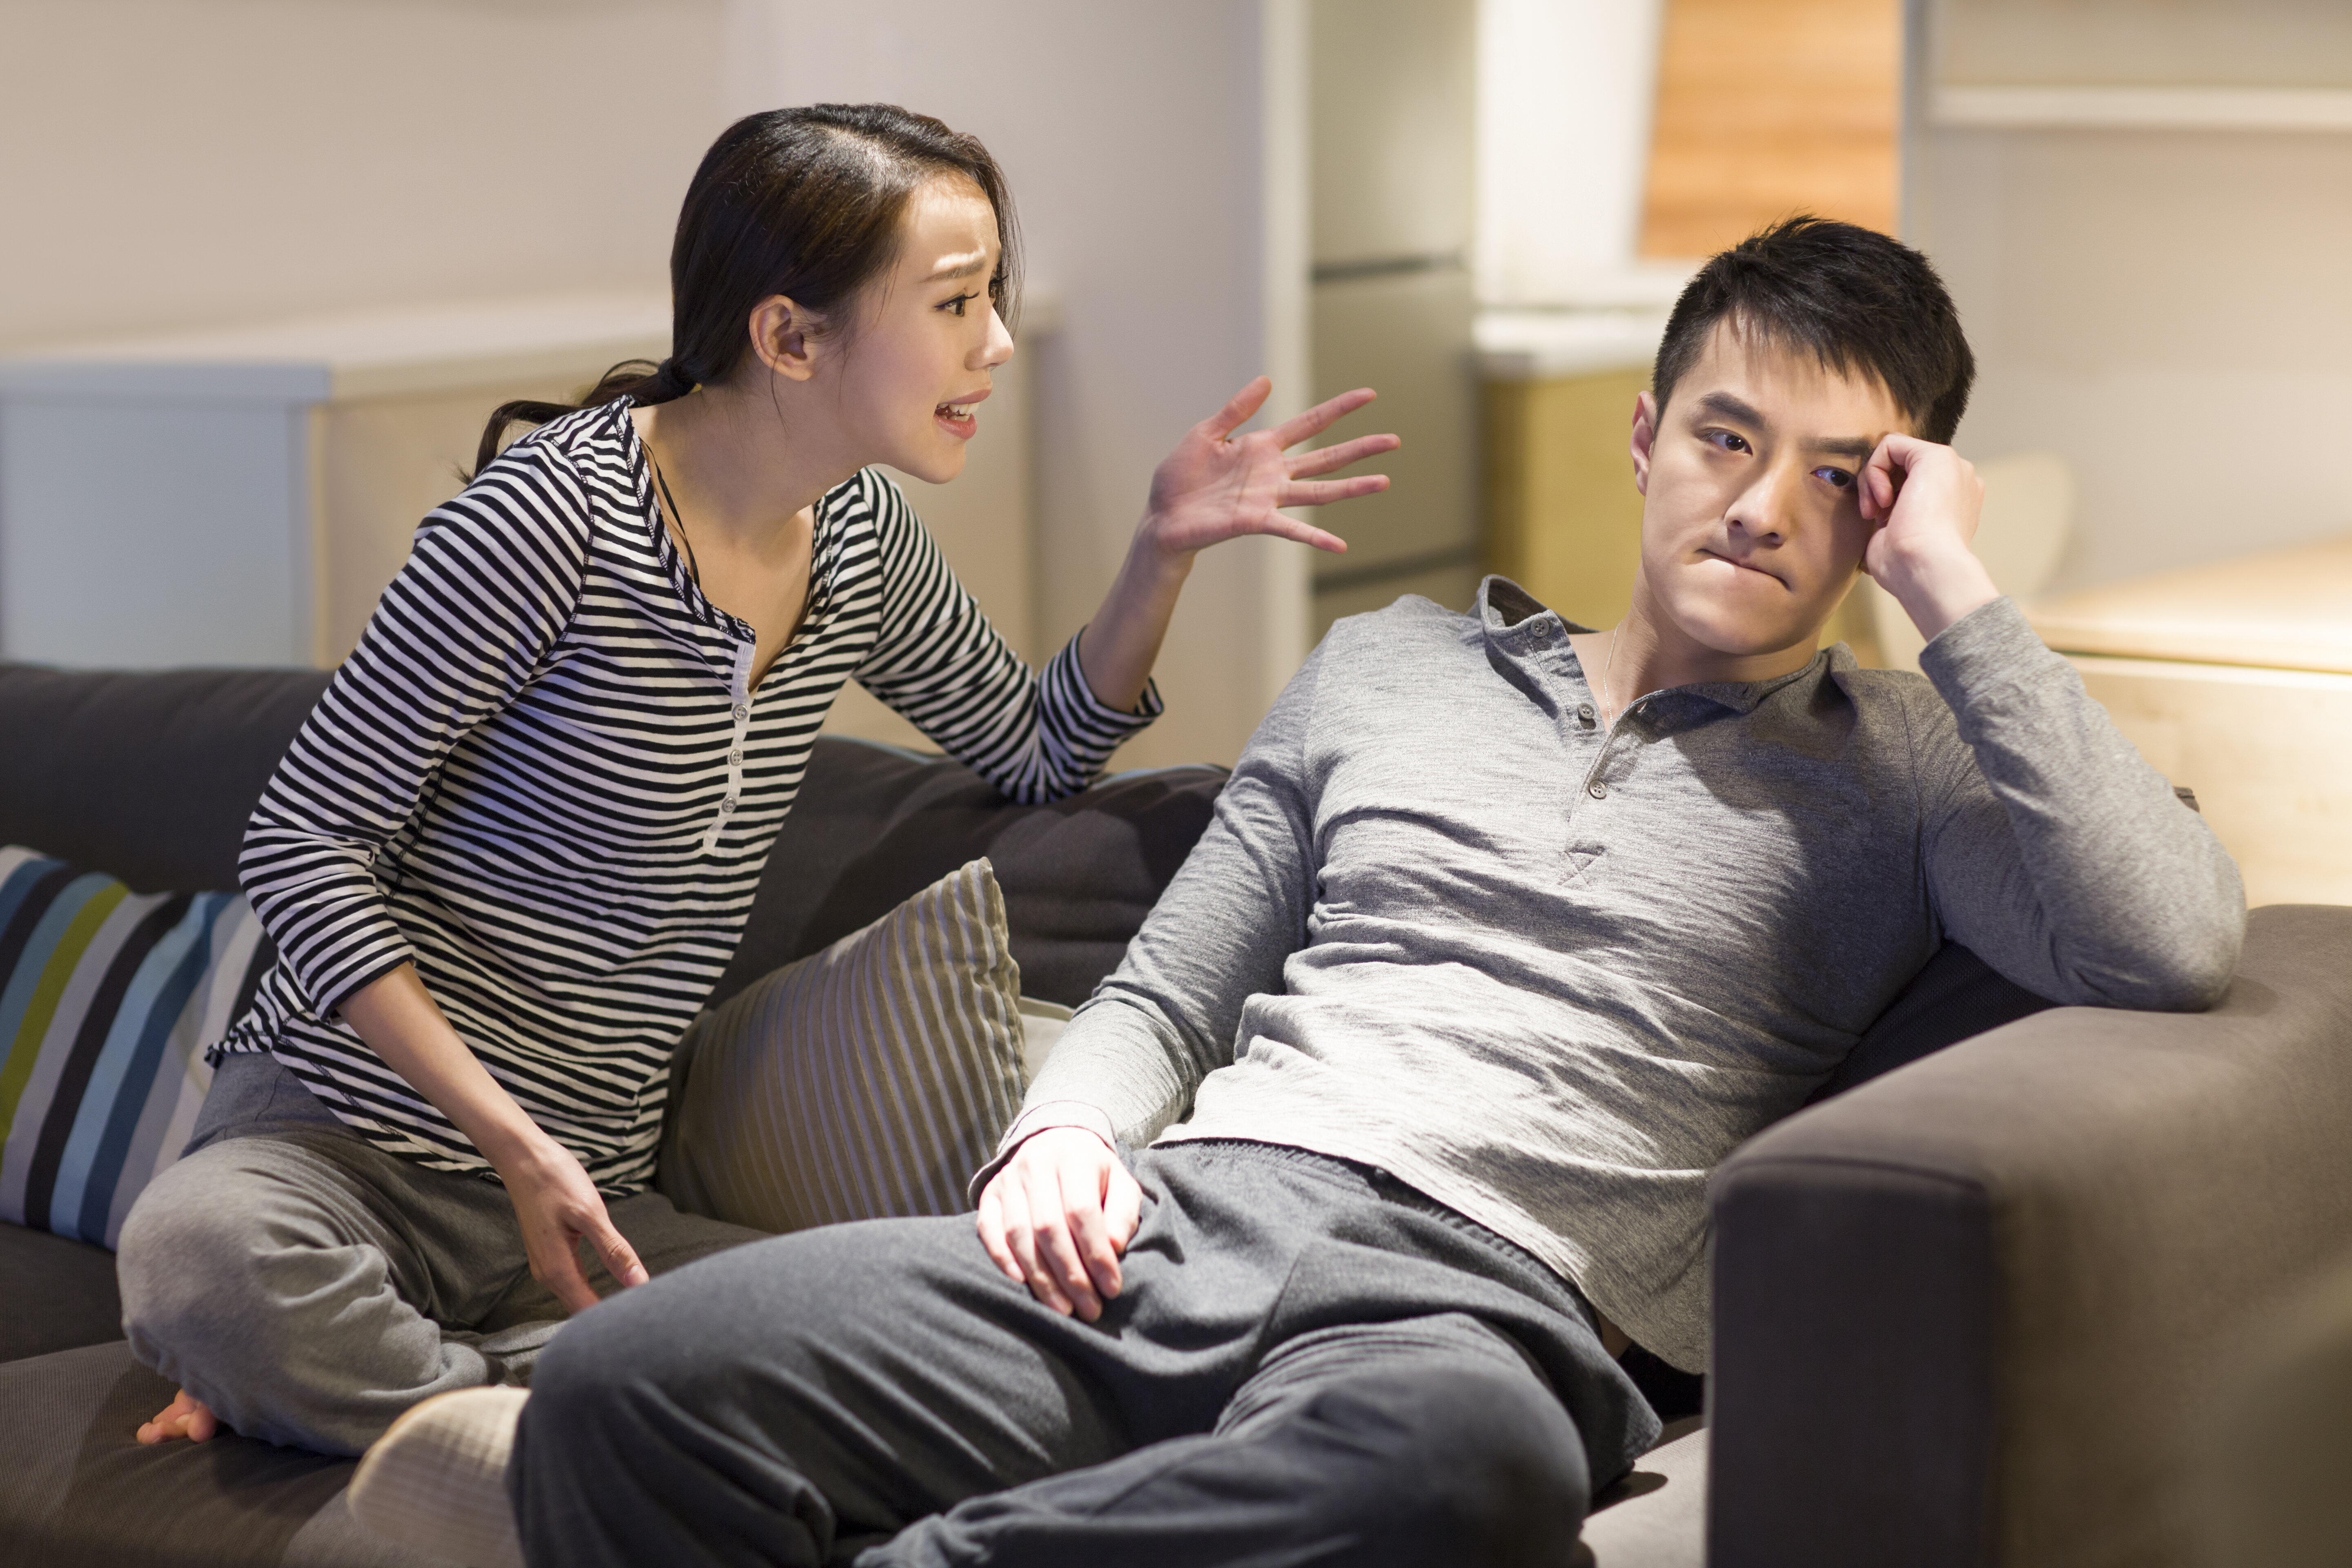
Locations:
543 779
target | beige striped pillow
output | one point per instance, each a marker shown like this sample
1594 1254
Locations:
869 1080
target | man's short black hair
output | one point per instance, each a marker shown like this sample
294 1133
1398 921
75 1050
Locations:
1854 298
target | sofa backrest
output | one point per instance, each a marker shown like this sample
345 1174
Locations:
150 777
147 777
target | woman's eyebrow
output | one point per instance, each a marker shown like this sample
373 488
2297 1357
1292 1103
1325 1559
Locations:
961 265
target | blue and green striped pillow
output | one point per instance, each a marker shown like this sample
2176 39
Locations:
107 1001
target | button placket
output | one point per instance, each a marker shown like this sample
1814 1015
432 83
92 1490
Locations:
1594 784
740 689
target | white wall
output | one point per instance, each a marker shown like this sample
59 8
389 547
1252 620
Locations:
1565 93
168 163
176 164
1135 138
2165 309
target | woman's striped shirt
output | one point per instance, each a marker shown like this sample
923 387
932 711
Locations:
544 779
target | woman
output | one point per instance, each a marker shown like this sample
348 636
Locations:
510 852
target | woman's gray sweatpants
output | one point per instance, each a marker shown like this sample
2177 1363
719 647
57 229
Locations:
309 1287
1309 1362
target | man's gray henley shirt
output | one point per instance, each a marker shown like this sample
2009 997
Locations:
1550 974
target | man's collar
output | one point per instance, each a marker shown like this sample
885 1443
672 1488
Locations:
1516 623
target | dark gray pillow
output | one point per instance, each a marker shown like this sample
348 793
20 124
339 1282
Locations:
875 825
147 777
1957 995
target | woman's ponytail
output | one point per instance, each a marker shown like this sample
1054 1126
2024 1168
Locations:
640 380
805 203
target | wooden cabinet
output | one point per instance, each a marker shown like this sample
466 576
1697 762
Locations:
242 497
2236 681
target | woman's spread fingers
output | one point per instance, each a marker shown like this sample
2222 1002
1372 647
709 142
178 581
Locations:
1237 409
1293 430
1282 527
1323 460
1323 492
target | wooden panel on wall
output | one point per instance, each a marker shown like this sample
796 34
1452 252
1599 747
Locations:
1771 107
1564 520
2268 752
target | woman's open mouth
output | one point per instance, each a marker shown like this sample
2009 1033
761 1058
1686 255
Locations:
958 419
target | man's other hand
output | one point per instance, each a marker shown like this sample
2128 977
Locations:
1924 500
1058 1215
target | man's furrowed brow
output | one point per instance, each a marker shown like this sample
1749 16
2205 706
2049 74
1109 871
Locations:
1857 447
1724 405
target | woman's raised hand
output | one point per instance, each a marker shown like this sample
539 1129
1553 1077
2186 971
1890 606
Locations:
1217 486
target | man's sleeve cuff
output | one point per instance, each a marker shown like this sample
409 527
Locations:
1039 1119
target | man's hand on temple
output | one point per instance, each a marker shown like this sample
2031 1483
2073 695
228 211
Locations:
1058 1216
1924 498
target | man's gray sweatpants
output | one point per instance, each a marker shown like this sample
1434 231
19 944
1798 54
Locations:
1309 1362
309 1287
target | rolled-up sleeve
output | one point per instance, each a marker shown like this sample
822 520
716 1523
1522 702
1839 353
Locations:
489 588
1036 736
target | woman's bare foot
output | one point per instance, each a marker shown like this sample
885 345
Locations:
186 1417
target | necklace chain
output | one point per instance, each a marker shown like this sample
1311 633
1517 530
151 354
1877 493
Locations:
694 567
1608 664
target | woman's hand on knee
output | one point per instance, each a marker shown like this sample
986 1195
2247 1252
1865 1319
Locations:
558 1208
1058 1216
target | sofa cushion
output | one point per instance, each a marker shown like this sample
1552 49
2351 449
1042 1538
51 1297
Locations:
54 1294
78 1490
148 777
866 1082
108 999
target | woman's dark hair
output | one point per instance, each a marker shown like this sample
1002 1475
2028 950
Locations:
1852 298
800 201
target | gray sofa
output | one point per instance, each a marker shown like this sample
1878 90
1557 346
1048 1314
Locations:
1964 1309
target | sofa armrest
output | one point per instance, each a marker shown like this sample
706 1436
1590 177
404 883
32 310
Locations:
1968 1313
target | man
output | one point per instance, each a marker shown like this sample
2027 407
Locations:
1505 934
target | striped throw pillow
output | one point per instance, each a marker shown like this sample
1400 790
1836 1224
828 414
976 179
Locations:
867 1080
107 1001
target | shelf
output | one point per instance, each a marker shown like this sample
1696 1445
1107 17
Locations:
1544 345
2142 108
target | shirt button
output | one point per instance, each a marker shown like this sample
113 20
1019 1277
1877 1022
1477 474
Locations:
741 712
1599 791
1584 711
726 805
735 759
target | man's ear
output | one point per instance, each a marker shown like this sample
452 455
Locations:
783 336
1645 436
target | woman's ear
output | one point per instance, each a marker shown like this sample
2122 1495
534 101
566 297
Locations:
784 337
1645 436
